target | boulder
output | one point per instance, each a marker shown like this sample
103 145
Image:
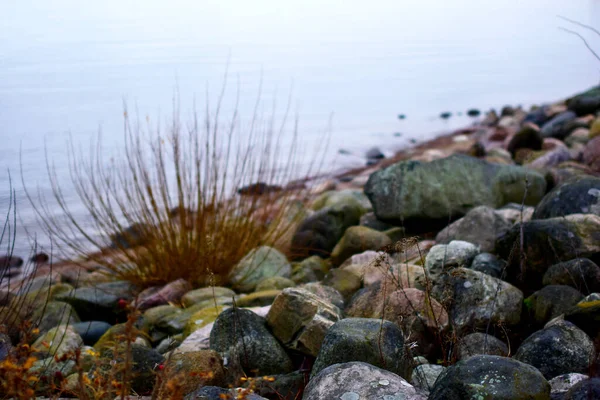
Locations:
425 375
585 103
207 368
340 198
532 247
243 339
319 233
479 343
300 319
480 226
490 377
310 269
550 302
558 126
358 239
579 195
488 264
373 341
580 273
442 258
421 317
358 380
529 137
274 283
421 196
584 390
558 349
58 341
476 299
91 331
207 296
260 263
561 384
169 293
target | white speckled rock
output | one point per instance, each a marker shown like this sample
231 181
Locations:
359 381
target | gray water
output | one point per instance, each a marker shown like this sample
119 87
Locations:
67 67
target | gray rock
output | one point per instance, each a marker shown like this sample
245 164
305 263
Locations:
274 283
326 293
587 102
91 331
477 299
481 344
442 258
579 195
310 269
425 375
201 295
359 380
561 384
53 314
490 377
100 302
550 158
581 273
546 242
584 390
557 126
370 221
319 233
344 281
529 137
300 319
422 195
341 198
558 349
58 341
260 263
374 341
488 264
551 301
243 339
169 293
421 317
357 239
480 226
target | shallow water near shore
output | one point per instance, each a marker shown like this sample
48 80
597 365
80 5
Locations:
347 68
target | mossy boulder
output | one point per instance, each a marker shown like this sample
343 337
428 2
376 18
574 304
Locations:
357 239
58 341
422 196
260 263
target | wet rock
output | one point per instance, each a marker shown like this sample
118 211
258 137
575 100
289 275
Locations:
358 380
477 299
260 263
480 344
319 233
300 319
558 126
373 341
480 226
421 317
580 273
242 337
169 293
442 258
420 196
358 239
490 377
579 195
544 243
550 302
488 264
558 349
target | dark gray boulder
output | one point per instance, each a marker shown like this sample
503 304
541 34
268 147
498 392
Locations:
479 343
579 195
558 349
584 390
490 377
242 337
374 341
581 273
587 102
557 126
488 264
550 302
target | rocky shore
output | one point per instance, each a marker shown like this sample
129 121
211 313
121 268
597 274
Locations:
464 267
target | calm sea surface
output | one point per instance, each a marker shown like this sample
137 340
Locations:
347 67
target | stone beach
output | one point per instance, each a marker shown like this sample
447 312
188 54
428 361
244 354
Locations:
463 267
